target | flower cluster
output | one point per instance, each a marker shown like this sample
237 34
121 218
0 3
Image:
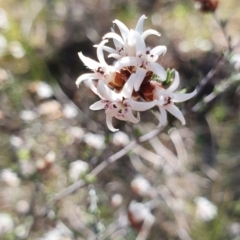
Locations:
134 82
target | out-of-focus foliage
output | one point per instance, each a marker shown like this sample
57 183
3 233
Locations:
187 177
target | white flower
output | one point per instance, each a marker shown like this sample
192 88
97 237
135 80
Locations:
166 99
206 210
131 84
139 215
119 105
10 177
6 223
140 185
120 139
131 50
76 169
94 140
126 43
101 70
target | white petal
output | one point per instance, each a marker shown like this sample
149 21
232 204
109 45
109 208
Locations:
142 106
128 86
163 117
97 105
114 36
150 32
181 97
114 55
109 49
158 50
126 61
131 43
85 76
159 70
105 92
140 74
176 112
90 63
109 124
131 118
123 29
139 26
140 44
175 83
100 53
93 87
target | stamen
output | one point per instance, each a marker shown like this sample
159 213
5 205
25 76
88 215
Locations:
100 70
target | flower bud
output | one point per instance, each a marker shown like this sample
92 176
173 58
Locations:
138 214
206 5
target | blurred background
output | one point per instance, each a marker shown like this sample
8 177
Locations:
183 183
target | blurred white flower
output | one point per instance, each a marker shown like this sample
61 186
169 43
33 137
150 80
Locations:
60 232
4 23
6 223
120 139
21 231
139 214
16 49
206 210
16 141
28 115
22 206
70 111
235 60
94 140
234 229
116 200
10 177
27 167
76 132
76 169
140 186
44 90
3 45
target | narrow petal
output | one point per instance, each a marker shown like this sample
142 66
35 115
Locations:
109 49
128 86
100 53
175 83
142 106
131 118
97 105
163 117
114 36
105 92
140 44
123 29
85 76
93 87
176 113
159 70
139 26
114 55
131 43
158 50
109 124
88 62
150 32
181 97
126 61
140 74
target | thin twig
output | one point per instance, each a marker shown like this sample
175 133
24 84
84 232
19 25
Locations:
81 183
